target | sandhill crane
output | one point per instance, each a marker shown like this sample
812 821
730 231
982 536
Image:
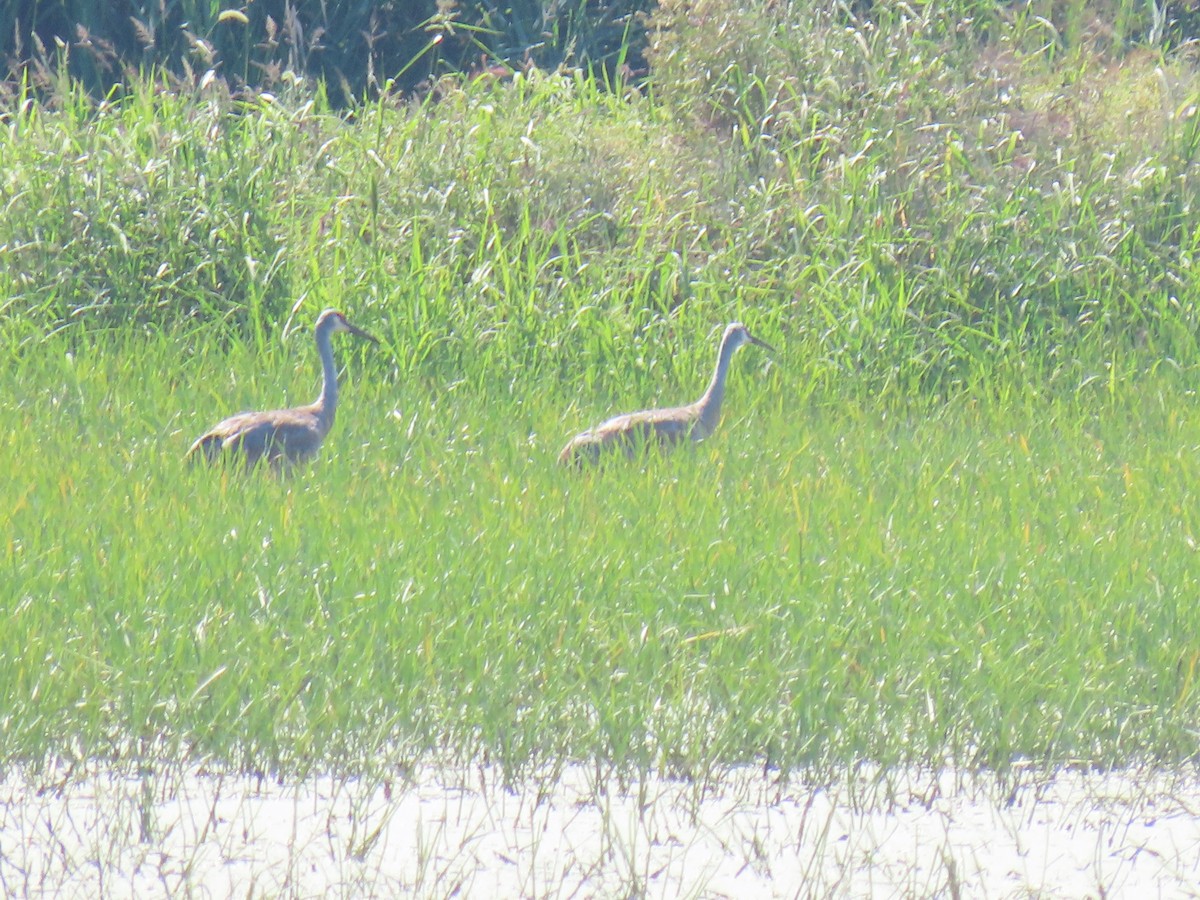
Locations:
283 436
694 422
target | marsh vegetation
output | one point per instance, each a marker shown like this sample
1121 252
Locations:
953 520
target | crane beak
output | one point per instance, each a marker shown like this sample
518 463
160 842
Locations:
354 329
762 344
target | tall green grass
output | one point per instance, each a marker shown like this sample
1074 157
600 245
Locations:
950 522
979 583
921 205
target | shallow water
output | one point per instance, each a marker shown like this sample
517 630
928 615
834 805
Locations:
443 832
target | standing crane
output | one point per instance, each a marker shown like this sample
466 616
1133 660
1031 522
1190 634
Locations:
283 436
667 427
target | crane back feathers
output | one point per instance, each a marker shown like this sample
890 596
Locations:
279 435
633 432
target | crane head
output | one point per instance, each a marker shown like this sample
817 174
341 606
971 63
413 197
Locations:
333 321
739 334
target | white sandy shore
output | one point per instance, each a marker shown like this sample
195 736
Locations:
102 834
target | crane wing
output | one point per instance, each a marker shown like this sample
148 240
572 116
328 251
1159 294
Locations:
291 434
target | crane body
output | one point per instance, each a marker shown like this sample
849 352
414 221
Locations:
283 436
666 427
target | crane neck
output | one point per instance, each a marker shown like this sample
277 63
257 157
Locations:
710 403
327 403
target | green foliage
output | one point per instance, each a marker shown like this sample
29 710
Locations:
356 47
978 583
972 243
933 207
1001 190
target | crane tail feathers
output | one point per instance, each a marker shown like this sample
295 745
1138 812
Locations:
206 449
583 449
